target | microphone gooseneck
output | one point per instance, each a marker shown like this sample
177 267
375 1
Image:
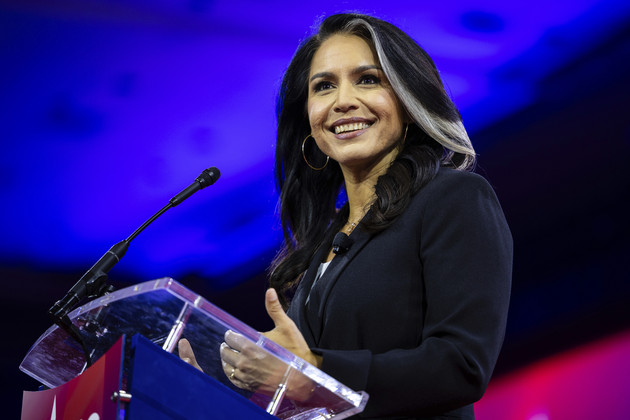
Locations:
94 282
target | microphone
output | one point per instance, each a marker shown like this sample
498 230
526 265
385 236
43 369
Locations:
93 282
207 178
341 243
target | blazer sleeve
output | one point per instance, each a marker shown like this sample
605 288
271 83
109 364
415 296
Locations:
466 255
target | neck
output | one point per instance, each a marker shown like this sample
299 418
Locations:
360 197
360 180
360 189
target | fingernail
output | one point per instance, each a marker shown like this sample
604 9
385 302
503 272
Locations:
273 296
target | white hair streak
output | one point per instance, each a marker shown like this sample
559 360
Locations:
450 134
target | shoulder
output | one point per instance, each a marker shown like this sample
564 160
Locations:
457 198
457 205
454 179
451 186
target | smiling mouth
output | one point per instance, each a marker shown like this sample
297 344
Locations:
345 128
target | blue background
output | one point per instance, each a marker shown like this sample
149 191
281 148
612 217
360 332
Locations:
109 108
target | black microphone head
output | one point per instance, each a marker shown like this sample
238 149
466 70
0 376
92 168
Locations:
208 177
341 243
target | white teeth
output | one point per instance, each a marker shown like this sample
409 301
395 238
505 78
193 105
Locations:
350 127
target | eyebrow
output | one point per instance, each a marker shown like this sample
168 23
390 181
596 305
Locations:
357 70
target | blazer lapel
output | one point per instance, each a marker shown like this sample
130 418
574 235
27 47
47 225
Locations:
322 289
298 309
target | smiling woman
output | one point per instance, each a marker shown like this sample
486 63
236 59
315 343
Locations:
354 114
403 291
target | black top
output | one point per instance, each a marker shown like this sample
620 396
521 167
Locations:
415 315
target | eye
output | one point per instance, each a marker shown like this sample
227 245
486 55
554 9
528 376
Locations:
321 86
369 79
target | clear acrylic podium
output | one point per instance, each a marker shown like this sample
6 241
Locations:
164 311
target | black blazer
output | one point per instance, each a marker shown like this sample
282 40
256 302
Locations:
415 315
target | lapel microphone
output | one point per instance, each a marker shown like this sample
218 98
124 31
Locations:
341 243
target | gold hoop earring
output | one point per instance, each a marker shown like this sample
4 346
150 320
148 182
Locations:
306 160
405 136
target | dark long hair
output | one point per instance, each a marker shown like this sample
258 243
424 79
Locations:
435 137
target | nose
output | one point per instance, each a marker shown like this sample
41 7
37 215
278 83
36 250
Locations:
346 99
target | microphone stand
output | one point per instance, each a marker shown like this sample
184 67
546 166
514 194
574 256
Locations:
94 284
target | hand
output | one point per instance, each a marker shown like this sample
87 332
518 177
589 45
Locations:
286 333
249 367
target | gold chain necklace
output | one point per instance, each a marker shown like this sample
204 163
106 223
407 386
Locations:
351 227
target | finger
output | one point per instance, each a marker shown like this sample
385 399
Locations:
233 373
274 308
229 370
186 353
236 341
228 355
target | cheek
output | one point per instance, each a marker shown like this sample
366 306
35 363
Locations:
316 115
388 110
386 105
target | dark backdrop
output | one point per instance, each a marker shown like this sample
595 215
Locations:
559 167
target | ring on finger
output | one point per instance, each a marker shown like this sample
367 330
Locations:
232 373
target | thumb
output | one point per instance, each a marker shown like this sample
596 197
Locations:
186 353
274 308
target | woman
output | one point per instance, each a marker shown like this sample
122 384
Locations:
411 305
